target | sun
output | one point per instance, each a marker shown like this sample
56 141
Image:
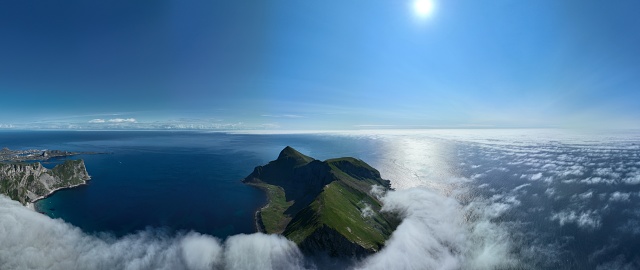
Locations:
423 8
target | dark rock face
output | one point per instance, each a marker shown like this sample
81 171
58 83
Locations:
293 157
26 182
299 175
358 171
326 203
329 241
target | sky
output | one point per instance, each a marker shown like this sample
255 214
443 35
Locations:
291 64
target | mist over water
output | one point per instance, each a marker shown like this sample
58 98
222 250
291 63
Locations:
470 199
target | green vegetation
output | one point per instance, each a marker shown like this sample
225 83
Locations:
69 174
273 217
340 207
24 182
329 202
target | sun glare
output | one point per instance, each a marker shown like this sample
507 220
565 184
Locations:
423 8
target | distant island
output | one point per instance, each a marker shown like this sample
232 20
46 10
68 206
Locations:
8 155
26 181
323 206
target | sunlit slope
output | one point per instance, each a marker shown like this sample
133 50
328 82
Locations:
323 206
25 182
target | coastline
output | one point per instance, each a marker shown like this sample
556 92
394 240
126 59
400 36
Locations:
32 205
257 216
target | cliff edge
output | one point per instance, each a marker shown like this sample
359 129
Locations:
28 182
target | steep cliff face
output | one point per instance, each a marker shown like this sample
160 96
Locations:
323 206
25 182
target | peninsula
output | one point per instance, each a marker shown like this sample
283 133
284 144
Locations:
29 182
323 206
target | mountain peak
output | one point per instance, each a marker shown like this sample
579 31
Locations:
288 153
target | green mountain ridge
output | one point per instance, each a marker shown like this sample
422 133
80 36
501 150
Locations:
323 206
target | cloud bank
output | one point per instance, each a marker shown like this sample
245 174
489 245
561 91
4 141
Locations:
34 241
426 238
432 235
113 120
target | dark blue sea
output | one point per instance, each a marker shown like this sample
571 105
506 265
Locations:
523 199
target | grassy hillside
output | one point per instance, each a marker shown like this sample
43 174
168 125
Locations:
323 205
342 208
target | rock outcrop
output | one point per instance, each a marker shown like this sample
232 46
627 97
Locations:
26 182
323 206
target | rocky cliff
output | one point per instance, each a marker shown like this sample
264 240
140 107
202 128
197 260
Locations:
323 206
26 182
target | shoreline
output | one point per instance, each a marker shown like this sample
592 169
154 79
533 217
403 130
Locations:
258 220
32 205
257 217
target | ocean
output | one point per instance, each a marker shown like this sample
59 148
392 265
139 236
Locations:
473 199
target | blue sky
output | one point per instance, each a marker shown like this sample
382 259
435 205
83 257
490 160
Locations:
319 64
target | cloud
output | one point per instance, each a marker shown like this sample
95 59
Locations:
587 220
586 195
122 120
576 170
619 197
500 205
597 180
377 191
633 178
260 251
423 231
607 172
521 187
282 115
433 235
132 123
201 251
536 176
366 211
33 241
113 120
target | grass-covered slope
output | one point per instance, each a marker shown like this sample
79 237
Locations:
351 213
323 206
25 182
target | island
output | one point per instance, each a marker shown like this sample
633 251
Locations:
29 182
323 206
8 155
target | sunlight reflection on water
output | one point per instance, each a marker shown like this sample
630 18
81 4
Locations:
412 162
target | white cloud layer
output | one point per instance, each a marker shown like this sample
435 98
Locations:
113 120
34 241
431 236
122 120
